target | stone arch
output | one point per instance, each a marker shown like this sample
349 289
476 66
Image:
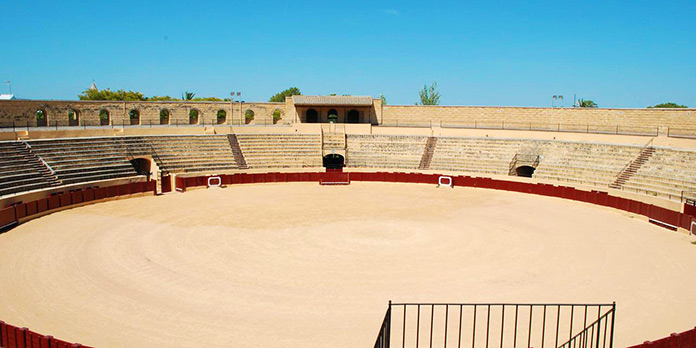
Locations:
221 116
353 116
73 117
333 161
525 171
164 116
248 116
194 116
332 116
104 117
277 116
41 118
134 117
311 116
142 166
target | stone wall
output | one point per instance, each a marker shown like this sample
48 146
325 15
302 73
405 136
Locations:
23 112
494 116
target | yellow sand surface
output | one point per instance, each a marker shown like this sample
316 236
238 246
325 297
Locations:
303 265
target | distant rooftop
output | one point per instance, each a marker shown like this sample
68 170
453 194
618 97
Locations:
7 96
335 100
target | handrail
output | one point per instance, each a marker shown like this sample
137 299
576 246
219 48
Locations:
688 197
28 146
649 144
131 156
47 165
157 159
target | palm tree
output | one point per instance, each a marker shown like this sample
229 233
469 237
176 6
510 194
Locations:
188 95
586 103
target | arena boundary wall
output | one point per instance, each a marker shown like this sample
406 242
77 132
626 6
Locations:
660 216
686 339
16 337
16 213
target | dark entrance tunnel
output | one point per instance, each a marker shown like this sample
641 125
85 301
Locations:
312 116
525 171
333 161
142 166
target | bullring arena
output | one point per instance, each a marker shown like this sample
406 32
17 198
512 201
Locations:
484 226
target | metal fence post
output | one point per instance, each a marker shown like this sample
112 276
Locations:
613 319
387 330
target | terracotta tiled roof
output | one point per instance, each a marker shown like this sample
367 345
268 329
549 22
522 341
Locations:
340 100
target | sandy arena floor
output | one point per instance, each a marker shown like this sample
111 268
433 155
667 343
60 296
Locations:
301 265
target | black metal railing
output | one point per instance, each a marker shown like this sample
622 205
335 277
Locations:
599 334
384 330
688 197
158 160
675 132
497 325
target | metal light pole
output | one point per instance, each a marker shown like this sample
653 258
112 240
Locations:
241 113
556 97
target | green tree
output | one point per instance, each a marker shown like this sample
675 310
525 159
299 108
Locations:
277 115
430 95
207 99
280 96
187 95
162 98
248 115
669 105
384 99
107 94
586 103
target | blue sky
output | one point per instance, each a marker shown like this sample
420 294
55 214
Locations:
617 53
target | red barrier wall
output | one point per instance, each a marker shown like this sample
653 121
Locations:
166 184
664 217
16 337
7 216
12 214
686 339
13 337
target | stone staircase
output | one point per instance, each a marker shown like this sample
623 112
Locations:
236 151
281 150
333 139
46 171
633 167
428 152
21 170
